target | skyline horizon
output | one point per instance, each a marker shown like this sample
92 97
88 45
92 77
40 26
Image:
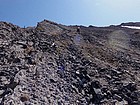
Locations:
72 24
80 12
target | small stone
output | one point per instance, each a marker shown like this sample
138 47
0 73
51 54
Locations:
131 86
138 93
108 76
97 91
77 72
51 64
1 92
116 78
4 80
74 88
125 102
24 46
87 77
12 85
121 103
30 43
128 99
30 61
59 103
96 84
135 103
117 97
109 94
116 71
24 98
83 92
66 98
52 81
16 60
115 91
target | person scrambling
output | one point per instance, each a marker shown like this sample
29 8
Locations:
78 30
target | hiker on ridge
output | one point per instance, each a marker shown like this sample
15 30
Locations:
78 30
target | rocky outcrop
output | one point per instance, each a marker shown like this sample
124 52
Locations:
53 64
131 24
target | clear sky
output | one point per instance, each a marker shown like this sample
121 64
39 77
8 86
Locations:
70 12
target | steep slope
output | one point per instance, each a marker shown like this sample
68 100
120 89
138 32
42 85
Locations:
54 64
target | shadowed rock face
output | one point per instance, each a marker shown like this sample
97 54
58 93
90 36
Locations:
52 64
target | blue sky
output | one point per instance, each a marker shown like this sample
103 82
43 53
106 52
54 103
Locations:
70 12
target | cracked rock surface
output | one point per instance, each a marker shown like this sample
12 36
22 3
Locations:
54 64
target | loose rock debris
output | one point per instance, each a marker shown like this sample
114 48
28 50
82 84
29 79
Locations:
45 65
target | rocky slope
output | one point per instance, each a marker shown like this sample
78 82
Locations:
54 64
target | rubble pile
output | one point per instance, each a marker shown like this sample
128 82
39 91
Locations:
54 64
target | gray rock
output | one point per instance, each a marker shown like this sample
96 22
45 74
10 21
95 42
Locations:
117 97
